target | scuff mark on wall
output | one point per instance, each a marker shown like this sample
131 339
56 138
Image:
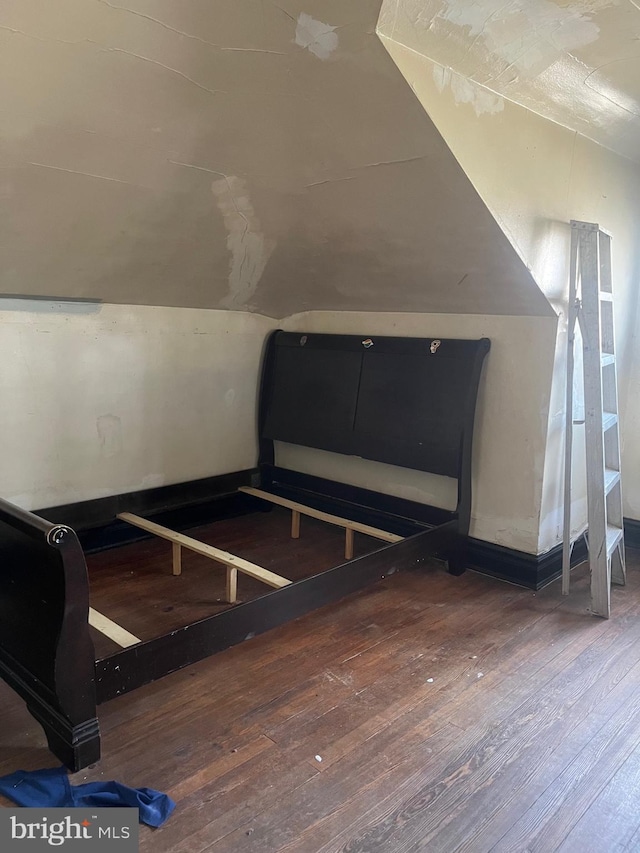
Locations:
152 481
320 39
250 249
110 434
465 92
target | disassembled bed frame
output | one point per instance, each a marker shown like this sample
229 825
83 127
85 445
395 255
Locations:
404 401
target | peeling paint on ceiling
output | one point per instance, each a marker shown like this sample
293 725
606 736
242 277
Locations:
576 63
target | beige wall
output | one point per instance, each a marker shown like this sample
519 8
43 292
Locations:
241 155
511 421
535 176
107 399
98 400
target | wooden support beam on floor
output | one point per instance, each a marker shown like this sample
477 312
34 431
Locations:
112 630
301 509
232 562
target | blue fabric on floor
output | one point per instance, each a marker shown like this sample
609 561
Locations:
51 789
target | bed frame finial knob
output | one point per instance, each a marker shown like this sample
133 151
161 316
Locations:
57 534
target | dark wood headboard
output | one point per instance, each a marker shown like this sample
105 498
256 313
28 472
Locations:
405 401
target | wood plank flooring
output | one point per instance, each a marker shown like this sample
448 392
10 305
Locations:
426 713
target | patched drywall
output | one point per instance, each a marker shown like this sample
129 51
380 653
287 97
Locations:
318 38
249 248
122 398
574 62
252 156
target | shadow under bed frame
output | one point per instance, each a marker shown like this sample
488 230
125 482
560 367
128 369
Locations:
409 402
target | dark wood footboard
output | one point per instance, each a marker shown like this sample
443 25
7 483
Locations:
46 652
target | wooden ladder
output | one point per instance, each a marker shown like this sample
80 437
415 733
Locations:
591 305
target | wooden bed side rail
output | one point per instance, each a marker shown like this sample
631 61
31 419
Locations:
130 668
46 653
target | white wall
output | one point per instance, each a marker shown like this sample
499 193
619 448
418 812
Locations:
98 400
535 176
511 421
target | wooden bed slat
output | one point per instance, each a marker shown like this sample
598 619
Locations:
375 532
112 630
210 551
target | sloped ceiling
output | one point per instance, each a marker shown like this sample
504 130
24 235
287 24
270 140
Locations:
241 155
576 62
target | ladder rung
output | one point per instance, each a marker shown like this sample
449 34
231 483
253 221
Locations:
605 296
609 419
614 537
608 358
611 479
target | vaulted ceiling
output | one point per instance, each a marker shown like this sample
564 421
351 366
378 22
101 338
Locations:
576 62
253 156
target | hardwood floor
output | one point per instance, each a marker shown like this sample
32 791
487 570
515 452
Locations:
429 712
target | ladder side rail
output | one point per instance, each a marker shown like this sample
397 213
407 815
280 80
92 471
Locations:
598 559
568 441
614 506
